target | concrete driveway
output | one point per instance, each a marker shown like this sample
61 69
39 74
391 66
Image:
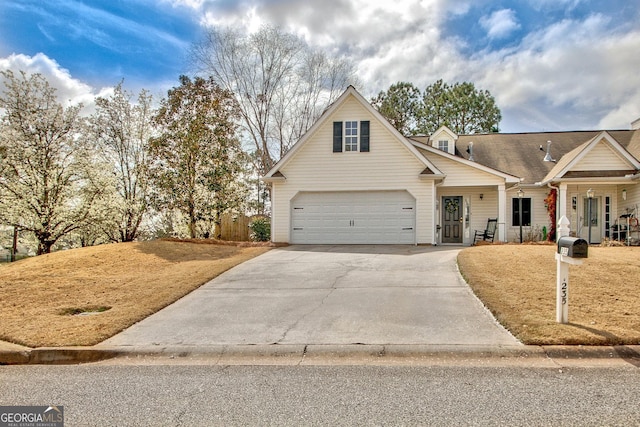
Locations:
328 295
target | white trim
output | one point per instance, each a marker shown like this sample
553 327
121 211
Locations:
561 201
274 179
445 129
597 180
502 211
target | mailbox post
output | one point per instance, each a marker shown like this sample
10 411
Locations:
571 251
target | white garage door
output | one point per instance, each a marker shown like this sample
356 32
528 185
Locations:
372 217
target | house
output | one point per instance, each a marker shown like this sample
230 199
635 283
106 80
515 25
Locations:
354 179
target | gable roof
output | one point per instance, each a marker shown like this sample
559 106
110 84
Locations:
349 92
519 154
428 148
445 129
569 160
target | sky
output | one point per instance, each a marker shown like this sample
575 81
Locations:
552 65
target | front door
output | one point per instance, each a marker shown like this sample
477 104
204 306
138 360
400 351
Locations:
594 223
452 219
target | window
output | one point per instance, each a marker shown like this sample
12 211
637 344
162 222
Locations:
443 145
350 136
526 211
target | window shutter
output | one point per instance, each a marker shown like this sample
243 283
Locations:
364 136
337 137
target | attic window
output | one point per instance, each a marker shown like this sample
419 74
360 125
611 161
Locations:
351 136
443 144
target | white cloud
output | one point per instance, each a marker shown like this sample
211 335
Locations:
554 4
68 88
566 74
500 23
573 74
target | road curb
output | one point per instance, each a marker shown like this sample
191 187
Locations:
260 354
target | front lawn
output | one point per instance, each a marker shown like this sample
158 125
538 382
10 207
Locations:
84 296
518 284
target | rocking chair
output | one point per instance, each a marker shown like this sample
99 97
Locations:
488 233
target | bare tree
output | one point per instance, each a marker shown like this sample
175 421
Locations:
280 83
122 129
46 185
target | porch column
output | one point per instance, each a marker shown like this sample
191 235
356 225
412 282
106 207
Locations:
435 213
561 203
502 213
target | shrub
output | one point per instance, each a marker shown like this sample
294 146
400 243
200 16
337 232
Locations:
260 230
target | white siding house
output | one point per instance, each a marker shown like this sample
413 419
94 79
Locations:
352 178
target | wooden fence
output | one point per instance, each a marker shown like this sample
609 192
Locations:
235 227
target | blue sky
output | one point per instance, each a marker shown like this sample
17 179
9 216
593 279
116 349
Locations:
550 64
101 42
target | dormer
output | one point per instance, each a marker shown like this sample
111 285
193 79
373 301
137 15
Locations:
444 139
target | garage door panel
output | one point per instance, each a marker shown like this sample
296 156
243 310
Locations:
353 217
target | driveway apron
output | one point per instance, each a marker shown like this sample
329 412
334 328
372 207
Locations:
328 294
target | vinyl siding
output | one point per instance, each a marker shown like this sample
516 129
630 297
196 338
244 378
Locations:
633 199
388 166
539 215
601 157
480 210
461 175
575 216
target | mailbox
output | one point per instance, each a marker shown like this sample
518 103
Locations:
573 247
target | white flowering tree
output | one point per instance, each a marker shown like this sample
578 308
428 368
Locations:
46 184
122 129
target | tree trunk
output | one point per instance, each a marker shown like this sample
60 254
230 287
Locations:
44 247
217 229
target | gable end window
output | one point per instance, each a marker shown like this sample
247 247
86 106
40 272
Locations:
351 136
443 144
526 212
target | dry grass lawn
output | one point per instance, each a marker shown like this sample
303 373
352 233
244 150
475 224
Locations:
518 284
114 286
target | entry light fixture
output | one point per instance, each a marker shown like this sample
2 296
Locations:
481 196
624 194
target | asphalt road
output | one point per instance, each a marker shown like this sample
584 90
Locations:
205 395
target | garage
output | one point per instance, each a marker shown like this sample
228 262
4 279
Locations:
363 217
